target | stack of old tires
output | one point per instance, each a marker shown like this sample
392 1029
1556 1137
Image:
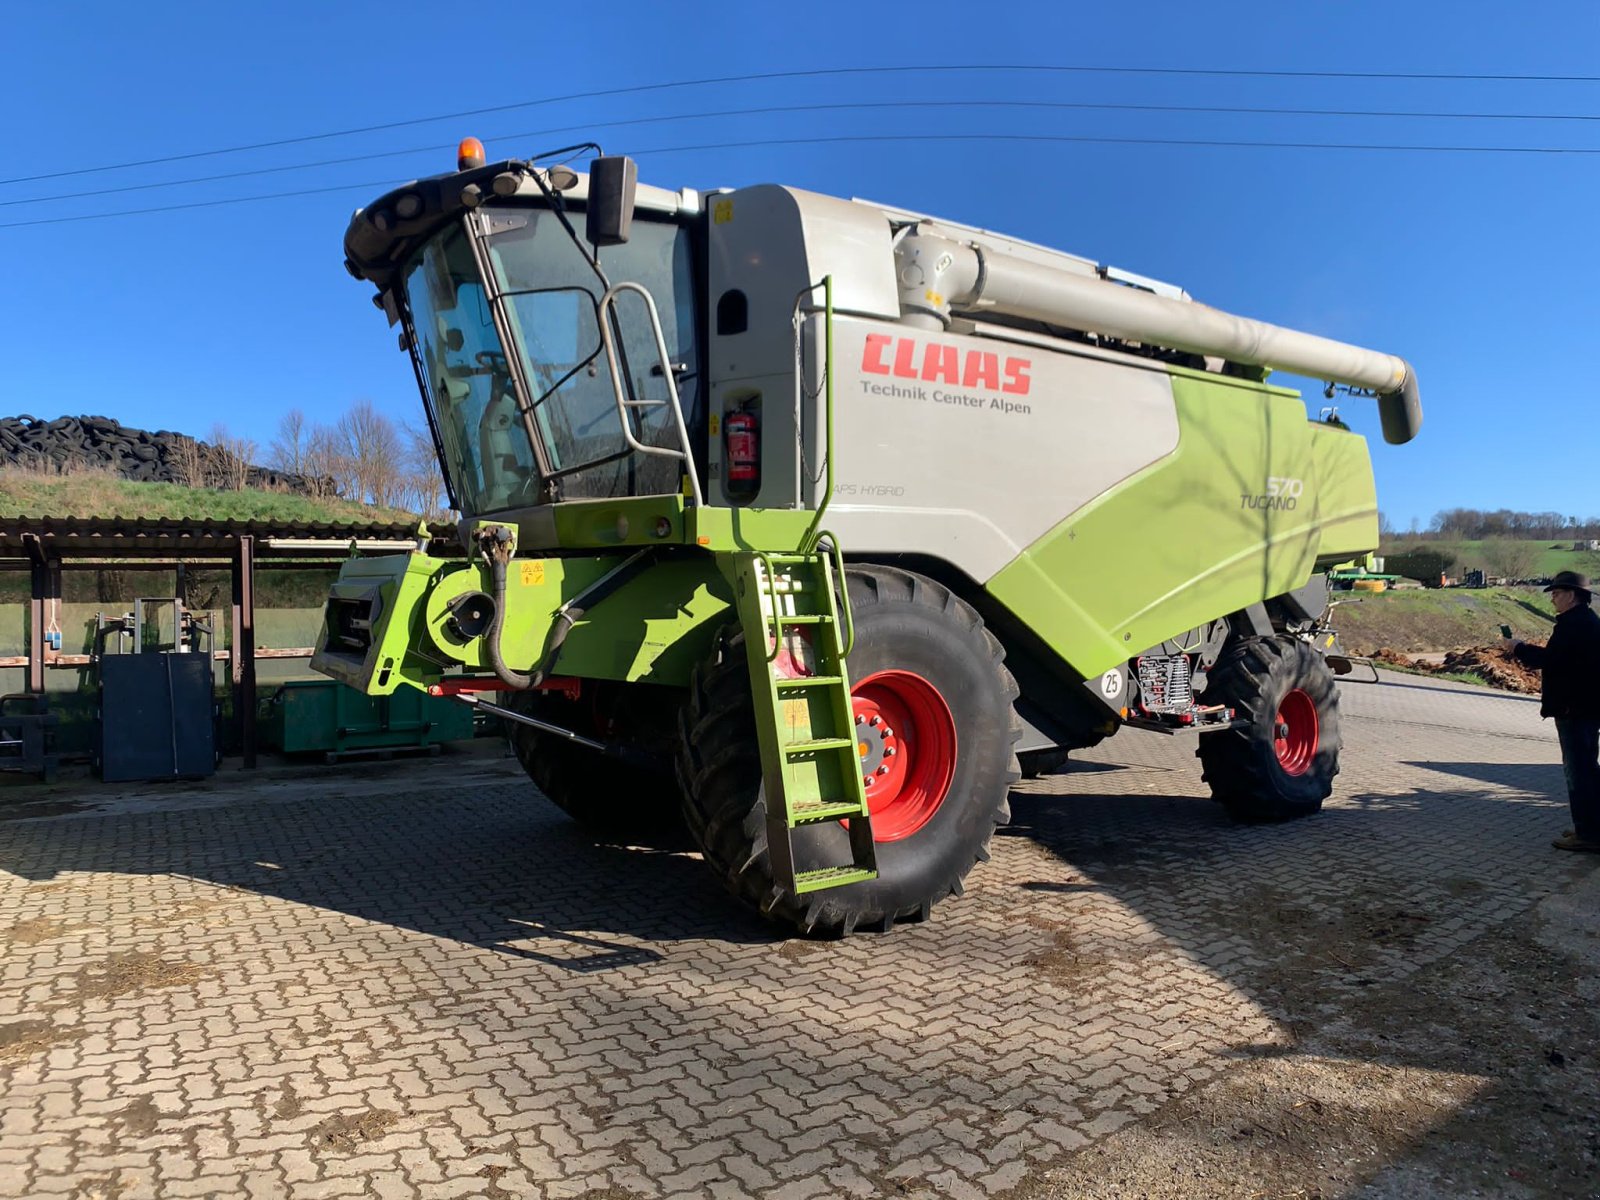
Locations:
66 443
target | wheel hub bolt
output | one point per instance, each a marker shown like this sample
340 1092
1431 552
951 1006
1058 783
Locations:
1283 729
883 770
860 720
889 751
875 721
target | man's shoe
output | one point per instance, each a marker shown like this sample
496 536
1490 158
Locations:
1571 841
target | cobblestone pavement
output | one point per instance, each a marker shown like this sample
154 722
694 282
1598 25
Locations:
422 981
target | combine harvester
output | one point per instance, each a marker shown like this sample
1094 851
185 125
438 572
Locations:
848 516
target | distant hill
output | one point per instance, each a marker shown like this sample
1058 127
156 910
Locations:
100 443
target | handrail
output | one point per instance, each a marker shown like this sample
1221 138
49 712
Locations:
772 595
841 599
608 304
808 544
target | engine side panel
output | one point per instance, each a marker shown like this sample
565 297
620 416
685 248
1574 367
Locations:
1253 498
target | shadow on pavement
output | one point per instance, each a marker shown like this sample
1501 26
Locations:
1544 779
502 869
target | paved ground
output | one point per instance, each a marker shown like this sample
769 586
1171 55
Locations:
424 982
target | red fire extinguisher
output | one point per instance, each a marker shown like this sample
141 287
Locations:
742 450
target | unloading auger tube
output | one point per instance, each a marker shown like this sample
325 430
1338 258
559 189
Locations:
937 273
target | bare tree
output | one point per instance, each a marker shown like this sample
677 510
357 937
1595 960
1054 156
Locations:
326 470
424 488
289 447
231 458
190 461
374 452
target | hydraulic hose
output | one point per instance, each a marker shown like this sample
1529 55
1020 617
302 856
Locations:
498 552
515 680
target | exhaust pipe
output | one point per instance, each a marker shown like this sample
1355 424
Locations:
936 274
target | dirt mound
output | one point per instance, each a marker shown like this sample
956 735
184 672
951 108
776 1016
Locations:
1494 666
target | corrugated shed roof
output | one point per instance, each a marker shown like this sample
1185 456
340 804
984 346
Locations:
165 536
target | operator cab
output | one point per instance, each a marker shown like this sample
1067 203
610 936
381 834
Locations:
553 365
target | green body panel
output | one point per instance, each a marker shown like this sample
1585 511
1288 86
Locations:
771 529
388 590
626 521
1198 534
653 629
635 522
1347 495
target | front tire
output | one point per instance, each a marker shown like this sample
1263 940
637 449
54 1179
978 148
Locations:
926 667
612 799
1282 764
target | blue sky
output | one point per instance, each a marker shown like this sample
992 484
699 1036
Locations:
1481 269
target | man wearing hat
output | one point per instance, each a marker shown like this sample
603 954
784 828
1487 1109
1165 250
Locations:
1570 662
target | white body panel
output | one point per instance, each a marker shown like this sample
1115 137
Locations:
970 449
769 243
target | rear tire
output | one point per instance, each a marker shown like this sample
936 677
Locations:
920 647
1281 765
610 798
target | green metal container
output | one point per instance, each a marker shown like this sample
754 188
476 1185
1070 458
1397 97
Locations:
310 716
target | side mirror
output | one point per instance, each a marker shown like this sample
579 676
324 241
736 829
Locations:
613 179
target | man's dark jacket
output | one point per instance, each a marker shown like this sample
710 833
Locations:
1571 665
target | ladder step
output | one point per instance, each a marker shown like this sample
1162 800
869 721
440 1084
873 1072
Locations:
792 558
809 811
818 744
807 681
645 403
812 881
803 619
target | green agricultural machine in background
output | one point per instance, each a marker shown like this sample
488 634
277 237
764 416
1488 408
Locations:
826 520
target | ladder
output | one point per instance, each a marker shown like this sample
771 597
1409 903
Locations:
810 762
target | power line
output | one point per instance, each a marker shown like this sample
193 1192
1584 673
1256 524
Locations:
834 72
139 212
1068 139
1087 139
1121 141
1048 105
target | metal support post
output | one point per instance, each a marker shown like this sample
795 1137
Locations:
46 593
242 646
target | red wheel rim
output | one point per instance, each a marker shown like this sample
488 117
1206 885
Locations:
1295 734
906 738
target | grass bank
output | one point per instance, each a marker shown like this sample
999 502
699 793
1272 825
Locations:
28 494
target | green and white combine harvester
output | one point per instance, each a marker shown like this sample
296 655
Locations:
827 520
